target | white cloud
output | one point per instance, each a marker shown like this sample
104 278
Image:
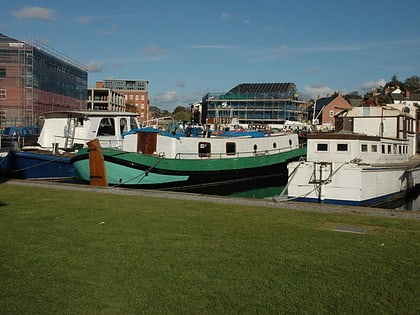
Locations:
95 66
370 85
214 46
37 13
168 97
317 90
85 19
155 50
281 51
112 30
225 15
180 84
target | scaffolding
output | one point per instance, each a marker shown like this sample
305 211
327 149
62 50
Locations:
26 66
18 80
34 79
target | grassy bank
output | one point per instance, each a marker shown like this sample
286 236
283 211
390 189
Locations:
75 252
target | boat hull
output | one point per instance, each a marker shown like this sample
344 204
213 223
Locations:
5 164
214 176
34 165
351 184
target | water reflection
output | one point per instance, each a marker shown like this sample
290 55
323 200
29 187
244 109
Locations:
411 202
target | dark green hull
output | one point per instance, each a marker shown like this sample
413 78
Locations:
203 175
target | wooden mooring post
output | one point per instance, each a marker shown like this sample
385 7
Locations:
96 164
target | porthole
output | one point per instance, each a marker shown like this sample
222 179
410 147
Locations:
274 145
290 141
255 147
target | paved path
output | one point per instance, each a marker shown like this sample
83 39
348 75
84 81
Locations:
271 203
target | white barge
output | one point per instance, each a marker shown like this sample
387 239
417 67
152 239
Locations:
355 168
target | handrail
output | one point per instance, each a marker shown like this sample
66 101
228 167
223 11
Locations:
221 155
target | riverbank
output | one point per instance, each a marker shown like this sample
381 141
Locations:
272 203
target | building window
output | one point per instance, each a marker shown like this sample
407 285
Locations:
331 113
364 148
142 97
322 147
142 106
230 148
2 72
204 149
3 94
342 147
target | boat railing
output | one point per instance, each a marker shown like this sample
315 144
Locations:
77 142
221 155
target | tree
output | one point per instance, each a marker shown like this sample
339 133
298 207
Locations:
384 99
412 83
181 113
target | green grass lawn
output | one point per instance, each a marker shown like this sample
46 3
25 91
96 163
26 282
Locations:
73 252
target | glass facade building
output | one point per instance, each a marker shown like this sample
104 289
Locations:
253 103
35 79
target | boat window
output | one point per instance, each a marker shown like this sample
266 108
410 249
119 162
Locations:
230 148
342 147
364 148
107 127
395 148
274 145
290 141
204 149
123 125
255 148
389 149
400 148
383 149
79 121
322 147
374 148
133 123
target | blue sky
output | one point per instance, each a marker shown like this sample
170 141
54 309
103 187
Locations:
188 48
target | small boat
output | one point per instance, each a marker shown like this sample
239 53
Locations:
349 167
222 164
62 134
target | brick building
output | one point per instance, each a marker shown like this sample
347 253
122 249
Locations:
35 79
136 95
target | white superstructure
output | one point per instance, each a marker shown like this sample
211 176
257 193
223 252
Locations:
351 167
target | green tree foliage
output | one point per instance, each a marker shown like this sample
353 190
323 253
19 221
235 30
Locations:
181 113
384 99
412 83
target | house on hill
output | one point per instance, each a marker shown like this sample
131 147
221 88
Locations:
325 109
408 102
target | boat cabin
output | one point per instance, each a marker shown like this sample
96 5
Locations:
367 134
200 147
359 148
70 130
